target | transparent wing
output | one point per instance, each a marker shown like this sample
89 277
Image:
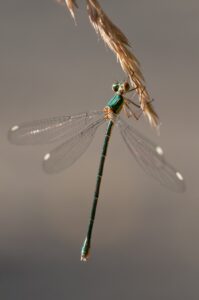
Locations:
151 158
67 153
132 106
51 129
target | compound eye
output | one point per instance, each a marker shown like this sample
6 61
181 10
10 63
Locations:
115 87
126 86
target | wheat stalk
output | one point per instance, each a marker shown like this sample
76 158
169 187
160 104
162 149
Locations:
119 44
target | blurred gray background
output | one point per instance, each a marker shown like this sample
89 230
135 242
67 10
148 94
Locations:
146 238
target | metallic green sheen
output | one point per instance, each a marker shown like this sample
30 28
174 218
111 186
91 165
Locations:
116 103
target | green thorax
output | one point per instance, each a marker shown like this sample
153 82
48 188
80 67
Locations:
116 103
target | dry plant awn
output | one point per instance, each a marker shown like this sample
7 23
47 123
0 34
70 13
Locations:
76 133
119 44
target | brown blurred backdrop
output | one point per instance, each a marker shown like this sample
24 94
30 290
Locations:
146 238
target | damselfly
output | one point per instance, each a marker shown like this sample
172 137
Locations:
77 132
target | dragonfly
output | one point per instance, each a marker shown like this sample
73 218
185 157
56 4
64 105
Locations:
76 133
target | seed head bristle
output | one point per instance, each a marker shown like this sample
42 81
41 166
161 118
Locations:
71 4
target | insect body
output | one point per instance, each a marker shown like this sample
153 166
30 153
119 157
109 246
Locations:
76 133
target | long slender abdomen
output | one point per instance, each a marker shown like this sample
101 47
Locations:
87 243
